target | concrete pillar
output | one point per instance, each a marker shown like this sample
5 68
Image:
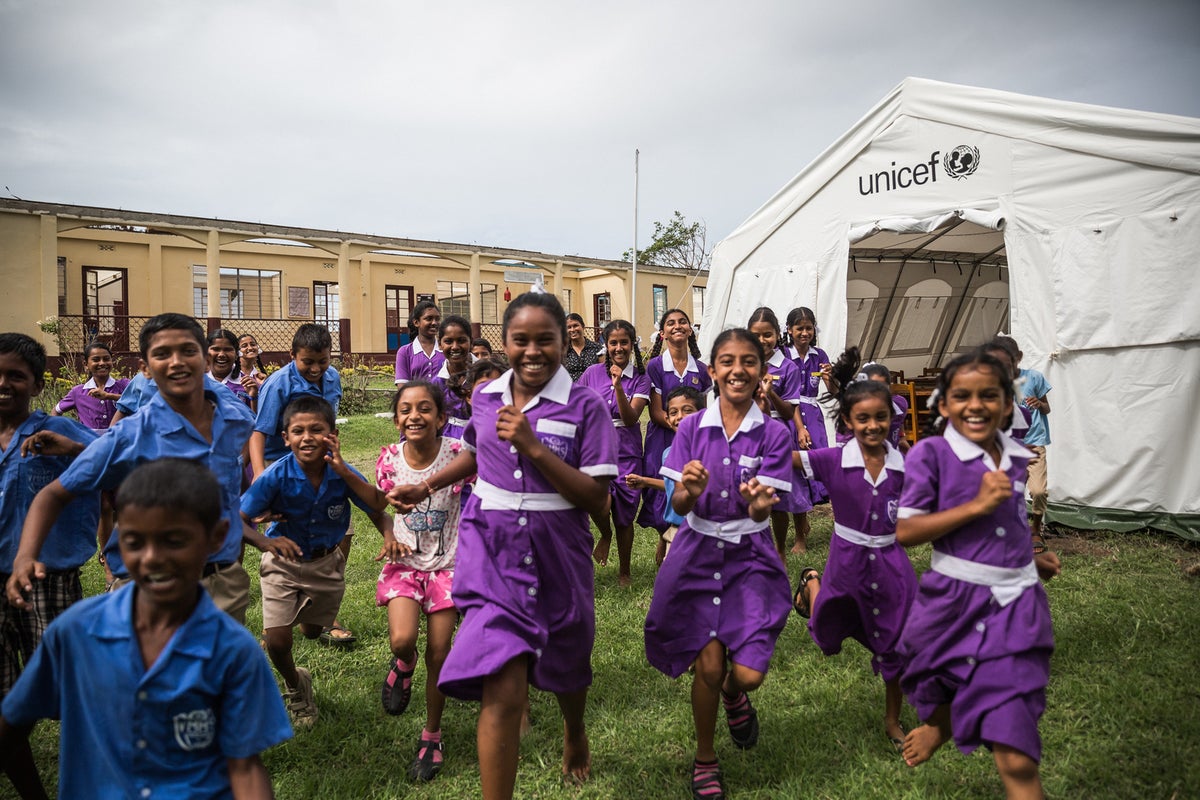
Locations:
364 309
347 290
48 300
475 292
558 282
212 274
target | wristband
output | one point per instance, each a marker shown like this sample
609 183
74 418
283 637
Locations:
428 487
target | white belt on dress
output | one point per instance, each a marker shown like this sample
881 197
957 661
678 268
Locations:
618 422
492 498
812 401
459 421
730 531
861 539
1006 583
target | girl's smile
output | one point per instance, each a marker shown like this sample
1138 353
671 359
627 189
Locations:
456 345
533 343
803 333
417 415
767 335
869 420
676 327
619 347
975 404
427 324
737 371
99 366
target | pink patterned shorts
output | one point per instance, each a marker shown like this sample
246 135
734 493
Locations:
430 589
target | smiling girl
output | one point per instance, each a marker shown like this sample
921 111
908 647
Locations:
454 337
421 357
94 401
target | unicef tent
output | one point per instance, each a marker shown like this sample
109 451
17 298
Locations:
950 213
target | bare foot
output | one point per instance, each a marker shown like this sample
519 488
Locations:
600 551
624 581
895 733
799 548
577 760
922 742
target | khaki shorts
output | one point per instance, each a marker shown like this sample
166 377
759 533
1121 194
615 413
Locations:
295 592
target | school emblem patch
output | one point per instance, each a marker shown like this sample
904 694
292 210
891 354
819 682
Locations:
893 511
195 730
557 445
336 511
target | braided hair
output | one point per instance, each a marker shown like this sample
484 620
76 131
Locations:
419 309
693 345
463 383
795 317
850 382
622 325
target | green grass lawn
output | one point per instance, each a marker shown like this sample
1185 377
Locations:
1123 719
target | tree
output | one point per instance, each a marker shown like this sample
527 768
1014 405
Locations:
676 244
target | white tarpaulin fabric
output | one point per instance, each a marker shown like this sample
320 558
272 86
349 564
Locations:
1099 210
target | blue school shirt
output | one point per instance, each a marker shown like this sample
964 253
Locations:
72 540
1034 384
669 513
139 391
313 518
157 431
281 388
162 732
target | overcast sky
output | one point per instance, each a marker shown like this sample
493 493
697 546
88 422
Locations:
514 123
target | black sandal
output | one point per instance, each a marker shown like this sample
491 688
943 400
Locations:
799 603
1039 544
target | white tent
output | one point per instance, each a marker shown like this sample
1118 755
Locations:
949 213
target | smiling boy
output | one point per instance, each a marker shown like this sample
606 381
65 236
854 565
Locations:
186 700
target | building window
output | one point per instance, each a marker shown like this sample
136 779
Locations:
62 285
490 311
326 305
602 308
452 298
566 300
245 293
697 304
660 302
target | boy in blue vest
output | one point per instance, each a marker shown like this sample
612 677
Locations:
192 417
303 576
160 694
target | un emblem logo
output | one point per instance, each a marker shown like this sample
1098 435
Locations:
961 161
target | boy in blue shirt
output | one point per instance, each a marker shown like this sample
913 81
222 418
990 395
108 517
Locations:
160 694
1033 391
304 575
191 417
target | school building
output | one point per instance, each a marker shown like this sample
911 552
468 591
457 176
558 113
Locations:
90 273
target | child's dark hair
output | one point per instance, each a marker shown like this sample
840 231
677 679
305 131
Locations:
439 401
622 325
182 485
737 333
28 350
976 358
765 314
311 336
464 382
484 343
95 344
258 362
578 318
169 321
308 404
543 300
693 346
1011 344
795 317
454 321
231 337
873 369
850 383
419 309
684 391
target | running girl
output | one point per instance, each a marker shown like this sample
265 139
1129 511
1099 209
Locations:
622 383
722 598
419 562
223 364
94 400
454 337
813 364
421 357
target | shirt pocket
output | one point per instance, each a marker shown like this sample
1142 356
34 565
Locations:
559 438
748 468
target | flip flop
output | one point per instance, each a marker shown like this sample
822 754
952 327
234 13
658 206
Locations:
799 603
328 637
1039 544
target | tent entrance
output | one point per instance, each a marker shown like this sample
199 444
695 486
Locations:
920 291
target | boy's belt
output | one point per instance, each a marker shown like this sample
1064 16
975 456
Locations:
318 552
213 567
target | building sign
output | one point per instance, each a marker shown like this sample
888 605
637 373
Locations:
521 276
298 302
959 163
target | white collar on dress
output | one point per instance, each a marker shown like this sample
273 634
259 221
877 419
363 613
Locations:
557 389
712 418
91 383
668 365
966 450
444 372
776 358
628 371
852 456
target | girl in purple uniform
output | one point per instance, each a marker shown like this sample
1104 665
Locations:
421 357
545 451
454 337
813 364
978 640
622 383
224 365
781 397
723 595
880 374
869 582
94 401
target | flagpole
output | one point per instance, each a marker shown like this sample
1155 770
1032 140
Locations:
633 289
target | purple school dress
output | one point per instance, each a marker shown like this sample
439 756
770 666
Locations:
869 583
411 362
981 641
787 386
458 410
664 380
1021 416
723 580
524 575
236 387
629 440
814 419
95 414
895 429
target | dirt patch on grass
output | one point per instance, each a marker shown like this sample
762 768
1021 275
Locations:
1071 542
